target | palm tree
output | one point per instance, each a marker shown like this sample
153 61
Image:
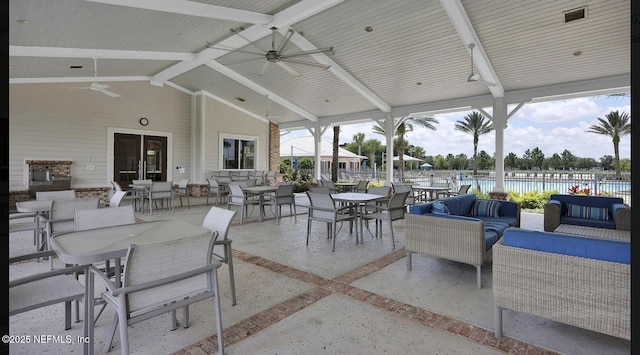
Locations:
403 128
334 160
616 125
475 124
358 139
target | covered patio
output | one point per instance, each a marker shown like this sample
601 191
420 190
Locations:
178 73
294 299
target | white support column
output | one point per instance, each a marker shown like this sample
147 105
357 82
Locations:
317 132
499 125
389 129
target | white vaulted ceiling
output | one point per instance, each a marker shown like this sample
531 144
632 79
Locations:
415 59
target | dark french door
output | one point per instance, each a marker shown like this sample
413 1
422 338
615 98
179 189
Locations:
138 157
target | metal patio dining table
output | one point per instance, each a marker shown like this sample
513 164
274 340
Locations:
357 199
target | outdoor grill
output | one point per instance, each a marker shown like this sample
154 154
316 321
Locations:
42 179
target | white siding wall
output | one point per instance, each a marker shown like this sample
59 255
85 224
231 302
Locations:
51 122
221 118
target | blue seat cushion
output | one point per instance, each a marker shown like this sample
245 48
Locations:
490 238
509 221
491 224
592 248
588 222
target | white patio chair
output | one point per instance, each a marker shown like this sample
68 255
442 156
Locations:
239 197
411 197
100 218
116 198
160 191
217 190
219 220
461 191
323 209
362 186
329 184
130 195
393 210
160 278
385 191
22 222
183 190
61 218
283 196
56 195
45 289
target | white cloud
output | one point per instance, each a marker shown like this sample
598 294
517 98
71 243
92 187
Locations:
550 126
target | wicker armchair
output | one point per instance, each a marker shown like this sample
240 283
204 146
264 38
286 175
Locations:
583 292
460 240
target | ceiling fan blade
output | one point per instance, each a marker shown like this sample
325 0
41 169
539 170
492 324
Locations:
77 87
97 86
313 51
264 68
248 41
107 92
244 60
323 66
288 68
285 42
233 50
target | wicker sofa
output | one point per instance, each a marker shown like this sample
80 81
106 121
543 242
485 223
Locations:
589 211
463 235
576 280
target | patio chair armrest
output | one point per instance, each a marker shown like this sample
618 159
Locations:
551 216
102 276
166 280
31 256
623 219
47 274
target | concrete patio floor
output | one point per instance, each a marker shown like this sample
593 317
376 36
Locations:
299 299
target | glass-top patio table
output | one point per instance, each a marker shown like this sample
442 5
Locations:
357 199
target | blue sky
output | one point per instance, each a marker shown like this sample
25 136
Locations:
551 126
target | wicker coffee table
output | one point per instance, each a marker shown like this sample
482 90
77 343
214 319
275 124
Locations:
594 232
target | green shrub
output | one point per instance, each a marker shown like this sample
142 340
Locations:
301 179
531 200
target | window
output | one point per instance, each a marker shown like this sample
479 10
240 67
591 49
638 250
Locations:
238 152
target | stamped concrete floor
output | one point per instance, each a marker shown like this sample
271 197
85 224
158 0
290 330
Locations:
299 299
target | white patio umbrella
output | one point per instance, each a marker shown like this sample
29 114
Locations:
406 158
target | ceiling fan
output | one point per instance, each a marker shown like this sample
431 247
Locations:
95 85
475 78
279 57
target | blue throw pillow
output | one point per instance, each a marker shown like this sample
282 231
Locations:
598 213
438 207
486 208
